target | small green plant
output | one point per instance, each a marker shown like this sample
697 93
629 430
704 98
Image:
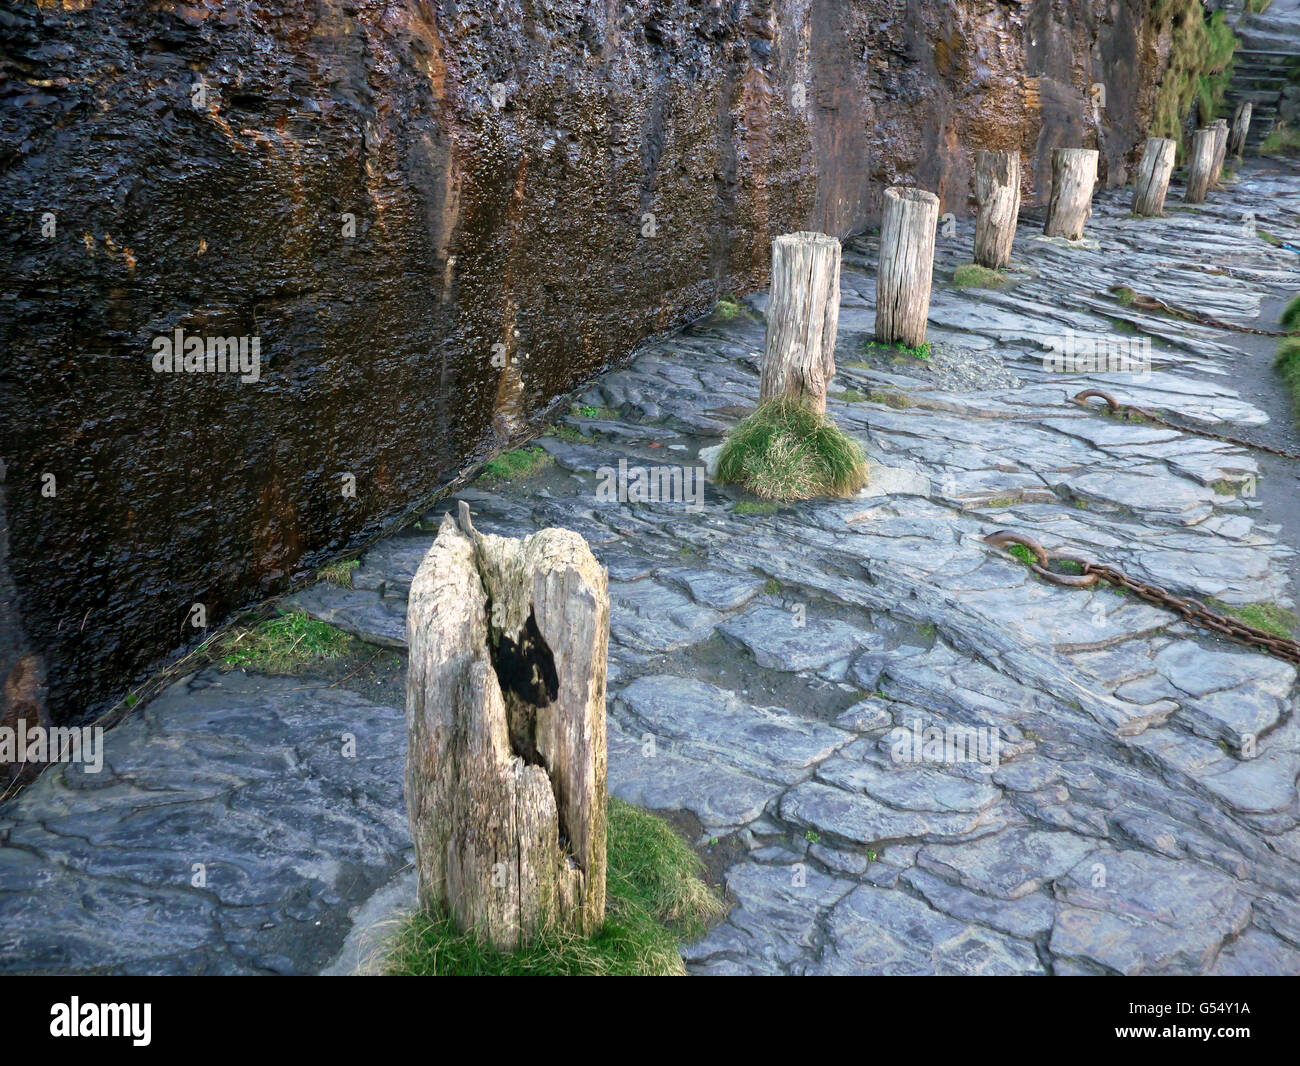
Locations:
871 855
787 451
587 411
565 432
919 351
282 644
339 572
812 836
974 276
1266 616
754 507
727 308
772 587
654 899
515 464
1022 553
1125 295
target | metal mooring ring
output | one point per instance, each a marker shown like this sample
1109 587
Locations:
1082 398
1003 537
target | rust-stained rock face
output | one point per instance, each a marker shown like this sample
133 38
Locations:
385 196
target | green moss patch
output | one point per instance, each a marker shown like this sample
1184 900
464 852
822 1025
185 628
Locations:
974 276
515 464
655 898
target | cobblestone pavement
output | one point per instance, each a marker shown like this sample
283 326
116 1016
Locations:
1133 808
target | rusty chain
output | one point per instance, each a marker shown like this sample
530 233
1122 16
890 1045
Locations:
1191 610
1126 411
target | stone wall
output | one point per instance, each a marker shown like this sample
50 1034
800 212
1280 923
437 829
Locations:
380 193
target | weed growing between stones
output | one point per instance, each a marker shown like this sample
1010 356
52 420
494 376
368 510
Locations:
655 898
339 573
727 308
566 433
514 464
787 451
974 276
586 410
282 644
920 351
1125 295
752 507
848 396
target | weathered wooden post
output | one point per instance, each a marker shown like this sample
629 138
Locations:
505 718
1153 176
803 317
1240 127
1199 166
997 190
1220 127
1074 175
906 270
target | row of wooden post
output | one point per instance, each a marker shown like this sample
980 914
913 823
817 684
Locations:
910 216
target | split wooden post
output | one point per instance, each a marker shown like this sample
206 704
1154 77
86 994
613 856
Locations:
1074 176
906 271
997 190
1200 164
1220 127
505 718
1153 176
1240 127
803 317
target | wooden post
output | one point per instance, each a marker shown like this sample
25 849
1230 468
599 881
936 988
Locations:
906 270
803 316
1220 127
1153 176
1240 127
1074 175
1199 165
505 716
997 190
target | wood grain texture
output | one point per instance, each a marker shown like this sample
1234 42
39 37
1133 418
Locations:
1200 165
906 271
997 191
1240 128
509 834
1074 176
802 318
1152 184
